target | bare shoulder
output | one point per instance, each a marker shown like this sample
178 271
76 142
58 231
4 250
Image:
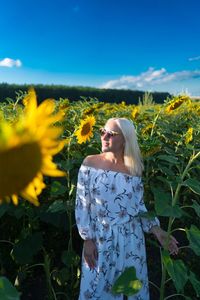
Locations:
92 160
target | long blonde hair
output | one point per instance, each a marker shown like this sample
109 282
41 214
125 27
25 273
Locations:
132 154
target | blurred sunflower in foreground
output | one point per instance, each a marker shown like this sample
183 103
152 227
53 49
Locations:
26 150
85 129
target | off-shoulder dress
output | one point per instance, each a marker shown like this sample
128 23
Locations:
108 210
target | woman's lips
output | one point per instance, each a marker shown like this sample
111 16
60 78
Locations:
106 144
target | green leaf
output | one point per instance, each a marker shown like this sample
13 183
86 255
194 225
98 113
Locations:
168 158
166 171
56 219
193 184
72 189
163 179
193 235
70 258
196 207
25 249
18 212
57 188
66 165
176 270
163 205
91 150
195 283
62 276
127 283
7 290
57 206
3 209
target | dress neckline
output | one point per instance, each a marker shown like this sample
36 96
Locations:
107 170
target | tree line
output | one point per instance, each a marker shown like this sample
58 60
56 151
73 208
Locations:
74 93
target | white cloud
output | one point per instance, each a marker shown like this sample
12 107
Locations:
150 79
194 58
9 63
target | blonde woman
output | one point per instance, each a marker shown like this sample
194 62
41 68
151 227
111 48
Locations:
108 205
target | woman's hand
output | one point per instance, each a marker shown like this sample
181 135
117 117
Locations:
90 253
167 242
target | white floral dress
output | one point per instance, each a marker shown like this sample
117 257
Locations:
107 210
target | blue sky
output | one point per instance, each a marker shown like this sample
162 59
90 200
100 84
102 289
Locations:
151 45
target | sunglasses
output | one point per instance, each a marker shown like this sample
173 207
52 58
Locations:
110 133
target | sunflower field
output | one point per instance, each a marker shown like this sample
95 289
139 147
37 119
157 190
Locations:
41 149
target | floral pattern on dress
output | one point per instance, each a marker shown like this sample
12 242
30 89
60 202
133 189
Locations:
108 207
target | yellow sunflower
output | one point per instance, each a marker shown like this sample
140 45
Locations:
176 103
189 135
135 112
26 150
85 129
147 130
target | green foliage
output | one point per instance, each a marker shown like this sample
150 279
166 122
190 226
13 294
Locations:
25 249
163 205
147 99
127 283
42 242
193 235
177 271
7 291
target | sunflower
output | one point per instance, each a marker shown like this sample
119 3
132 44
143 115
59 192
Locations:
85 129
147 130
135 112
189 135
89 111
26 150
176 103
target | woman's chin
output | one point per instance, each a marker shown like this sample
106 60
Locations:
105 149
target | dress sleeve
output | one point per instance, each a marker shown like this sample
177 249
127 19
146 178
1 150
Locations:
147 223
83 204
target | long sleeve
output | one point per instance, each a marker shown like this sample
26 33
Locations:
147 223
82 208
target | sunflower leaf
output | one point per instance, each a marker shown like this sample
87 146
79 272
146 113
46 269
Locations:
163 205
26 248
195 283
127 283
176 269
7 290
196 207
168 158
57 188
193 184
193 235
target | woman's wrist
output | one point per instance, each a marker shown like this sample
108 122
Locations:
155 230
88 241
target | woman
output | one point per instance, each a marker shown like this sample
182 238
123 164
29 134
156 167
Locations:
108 206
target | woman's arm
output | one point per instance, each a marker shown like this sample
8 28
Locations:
167 241
83 217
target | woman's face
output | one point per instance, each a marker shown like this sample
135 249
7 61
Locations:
112 139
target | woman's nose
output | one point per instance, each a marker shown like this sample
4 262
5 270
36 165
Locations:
106 136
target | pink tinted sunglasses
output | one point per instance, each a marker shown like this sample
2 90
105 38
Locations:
110 133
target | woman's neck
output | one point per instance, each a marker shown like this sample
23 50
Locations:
114 158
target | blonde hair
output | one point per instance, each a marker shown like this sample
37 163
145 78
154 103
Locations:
132 154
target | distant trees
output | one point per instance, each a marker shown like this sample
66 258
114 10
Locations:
76 92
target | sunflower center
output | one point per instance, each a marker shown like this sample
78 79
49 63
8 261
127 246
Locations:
18 166
85 129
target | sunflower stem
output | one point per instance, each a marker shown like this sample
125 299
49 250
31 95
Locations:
48 277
